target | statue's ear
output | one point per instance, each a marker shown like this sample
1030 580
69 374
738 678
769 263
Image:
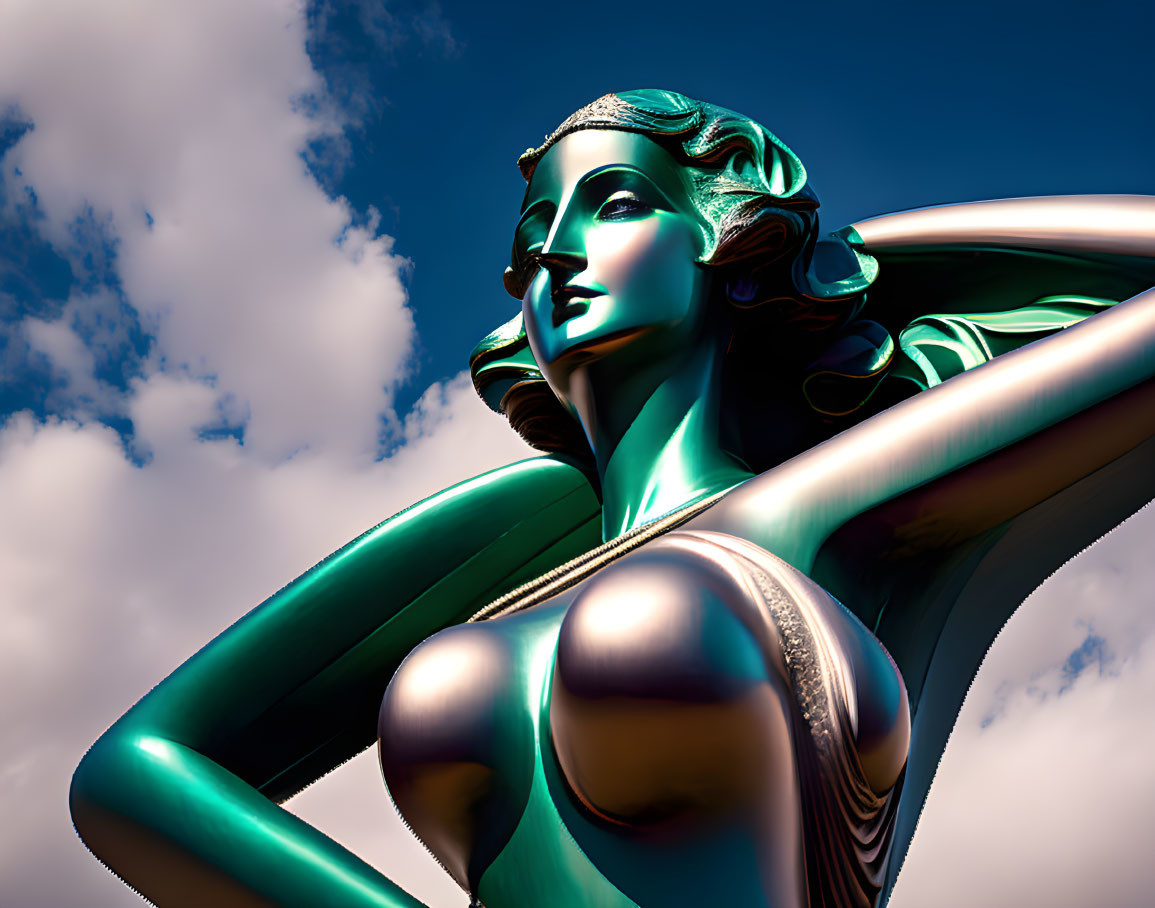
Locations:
836 268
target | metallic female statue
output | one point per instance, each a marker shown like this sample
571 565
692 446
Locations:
675 661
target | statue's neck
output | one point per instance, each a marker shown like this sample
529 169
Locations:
657 443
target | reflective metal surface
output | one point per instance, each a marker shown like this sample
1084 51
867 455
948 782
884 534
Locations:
442 734
900 429
1117 224
195 770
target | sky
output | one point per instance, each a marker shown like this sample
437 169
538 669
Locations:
245 249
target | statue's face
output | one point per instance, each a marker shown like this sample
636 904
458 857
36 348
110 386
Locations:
609 216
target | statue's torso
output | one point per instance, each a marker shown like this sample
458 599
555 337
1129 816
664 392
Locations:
714 746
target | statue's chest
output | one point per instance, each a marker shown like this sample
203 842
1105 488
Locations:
690 712
464 745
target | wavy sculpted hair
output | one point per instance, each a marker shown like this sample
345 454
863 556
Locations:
760 217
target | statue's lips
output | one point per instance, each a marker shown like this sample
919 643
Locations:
570 302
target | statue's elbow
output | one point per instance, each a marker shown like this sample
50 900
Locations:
105 787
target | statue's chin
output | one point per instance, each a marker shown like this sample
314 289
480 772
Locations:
581 351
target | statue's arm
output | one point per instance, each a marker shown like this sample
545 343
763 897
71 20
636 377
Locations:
179 797
1024 426
982 256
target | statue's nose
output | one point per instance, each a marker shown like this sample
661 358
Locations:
562 266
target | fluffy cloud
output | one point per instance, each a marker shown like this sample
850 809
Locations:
178 128
1045 794
85 349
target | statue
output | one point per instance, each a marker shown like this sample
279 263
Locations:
676 660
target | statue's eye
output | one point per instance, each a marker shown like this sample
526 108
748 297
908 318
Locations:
622 206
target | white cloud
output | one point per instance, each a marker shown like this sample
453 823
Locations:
56 340
192 114
75 360
1046 794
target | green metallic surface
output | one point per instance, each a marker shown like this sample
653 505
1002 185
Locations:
643 292
542 864
928 495
179 797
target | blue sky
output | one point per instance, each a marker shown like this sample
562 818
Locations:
245 250
890 107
